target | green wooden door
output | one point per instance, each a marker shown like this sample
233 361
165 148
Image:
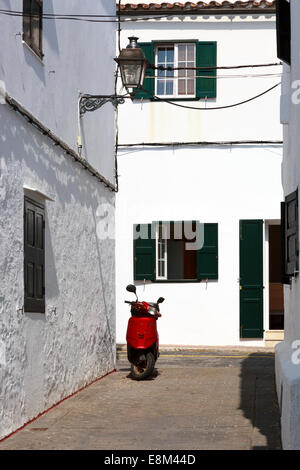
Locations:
251 279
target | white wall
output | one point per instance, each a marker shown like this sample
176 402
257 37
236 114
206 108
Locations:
241 40
210 184
287 371
78 56
46 357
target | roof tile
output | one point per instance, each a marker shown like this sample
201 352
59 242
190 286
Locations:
198 6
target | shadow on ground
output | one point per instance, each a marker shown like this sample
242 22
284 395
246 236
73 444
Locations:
258 400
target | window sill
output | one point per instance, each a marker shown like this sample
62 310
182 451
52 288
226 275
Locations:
39 57
180 281
30 312
176 98
158 99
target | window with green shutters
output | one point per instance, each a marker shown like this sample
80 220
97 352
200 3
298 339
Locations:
176 251
195 78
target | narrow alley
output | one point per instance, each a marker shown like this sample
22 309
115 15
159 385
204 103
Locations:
196 400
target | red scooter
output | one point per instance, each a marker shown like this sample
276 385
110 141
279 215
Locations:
142 336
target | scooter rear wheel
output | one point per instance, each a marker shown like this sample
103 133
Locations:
143 369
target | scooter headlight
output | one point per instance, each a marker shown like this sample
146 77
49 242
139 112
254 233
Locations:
152 310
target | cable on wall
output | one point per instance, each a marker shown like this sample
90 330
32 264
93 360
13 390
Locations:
156 98
202 143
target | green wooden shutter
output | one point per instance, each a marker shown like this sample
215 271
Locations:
206 56
34 257
144 254
285 279
149 51
251 279
291 234
207 256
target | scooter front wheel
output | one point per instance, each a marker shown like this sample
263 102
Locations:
142 369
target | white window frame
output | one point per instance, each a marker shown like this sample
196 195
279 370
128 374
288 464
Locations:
165 257
175 79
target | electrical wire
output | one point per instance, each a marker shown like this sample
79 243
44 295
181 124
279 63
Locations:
175 77
220 67
80 17
156 98
94 18
117 19
202 143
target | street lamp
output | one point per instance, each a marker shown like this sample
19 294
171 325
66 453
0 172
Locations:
132 63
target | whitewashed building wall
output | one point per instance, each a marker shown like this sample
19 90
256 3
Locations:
211 183
287 352
46 357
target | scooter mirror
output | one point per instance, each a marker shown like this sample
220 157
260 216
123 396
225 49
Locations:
131 288
160 300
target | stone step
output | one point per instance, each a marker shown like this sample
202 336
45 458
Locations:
273 337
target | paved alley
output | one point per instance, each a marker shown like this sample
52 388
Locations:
195 400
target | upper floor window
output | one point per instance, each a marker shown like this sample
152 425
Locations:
33 25
192 70
176 83
283 27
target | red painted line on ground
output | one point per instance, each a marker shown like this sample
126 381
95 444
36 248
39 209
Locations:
56 404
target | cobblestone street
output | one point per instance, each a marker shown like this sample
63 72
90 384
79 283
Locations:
195 400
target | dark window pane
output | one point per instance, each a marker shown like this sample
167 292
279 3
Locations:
160 87
182 53
190 87
169 88
175 259
170 56
161 56
190 52
181 87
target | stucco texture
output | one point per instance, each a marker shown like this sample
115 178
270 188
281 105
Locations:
46 357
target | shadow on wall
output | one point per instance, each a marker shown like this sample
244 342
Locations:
77 197
258 400
49 28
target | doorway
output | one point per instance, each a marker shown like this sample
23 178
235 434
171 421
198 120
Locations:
276 303
251 279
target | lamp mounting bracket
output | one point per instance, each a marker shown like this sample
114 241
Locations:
89 103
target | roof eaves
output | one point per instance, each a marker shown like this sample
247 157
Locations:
212 7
